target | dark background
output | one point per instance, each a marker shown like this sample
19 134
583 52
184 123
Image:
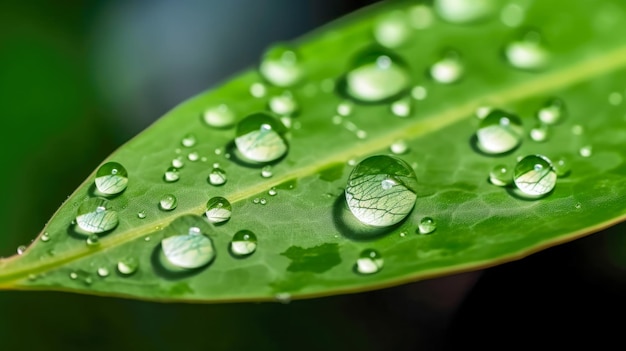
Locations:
78 79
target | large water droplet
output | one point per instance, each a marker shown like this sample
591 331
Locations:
128 265
111 178
392 29
427 225
168 202
464 11
243 243
528 52
260 138
501 175
449 69
381 190
218 210
376 75
552 111
284 104
370 261
171 175
499 132
186 245
219 116
95 216
534 175
280 66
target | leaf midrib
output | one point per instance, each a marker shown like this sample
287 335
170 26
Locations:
575 73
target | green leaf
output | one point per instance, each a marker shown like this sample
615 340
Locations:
308 240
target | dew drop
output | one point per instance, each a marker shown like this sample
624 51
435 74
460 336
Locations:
21 249
381 190
168 202
256 200
420 16
392 29
427 225
463 11
217 176
171 175
370 261
178 162
103 272
141 214
284 104
345 108
577 129
586 151
552 111
449 69
401 107
512 15
534 175
527 53
539 133
218 210
419 92
188 251
376 76
73 275
578 205
95 216
258 90
561 166
361 134
263 201
128 265
93 240
193 156
111 178
219 116
260 138
45 237
499 132
272 192
189 140
283 297
399 147
244 243
501 175
266 172
280 66
483 111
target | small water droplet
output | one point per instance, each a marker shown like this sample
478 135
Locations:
103 272
88 281
266 172
561 166
141 214
419 92
464 11
21 249
256 200
534 175
615 98
260 138
376 76
420 16
189 140
263 201
577 129
280 66
483 111
499 132
168 202
449 69
73 275
147 239
95 216
345 108
399 147
284 104
352 162
128 265
578 205
219 116
93 240
244 243
361 134
501 175
370 261
111 178
401 107
586 151
392 29
193 156
283 298
337 120
539 133
427 225
381 190
552 111
217 176
45 237
218 210
171 175
512 15
272 192
528 52
178 162
258 90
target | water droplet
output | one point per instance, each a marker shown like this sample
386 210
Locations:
73 275
528 52
93 240
188 251
141 214
419 92
45 237
103 272
95 216
219 116
111 178
218 210
401 107
266 172
399 147
284 104
193 156
272 192
501 175
552 111
171 175
586 151
88 281
427 225
21 249
483 111
256 200
420 16
168 202
263 201
280 66
381 190
539 133
189 140
392 29
147 239
243 243
449 69
178 162
258 90
345 108
578 205
260 138
283 297
512 15
361 134
217 176
534 175
577 129
615 98
463 11
376 76
499 132
128 265
561 166
370 261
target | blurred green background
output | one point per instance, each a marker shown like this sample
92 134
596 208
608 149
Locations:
80 78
